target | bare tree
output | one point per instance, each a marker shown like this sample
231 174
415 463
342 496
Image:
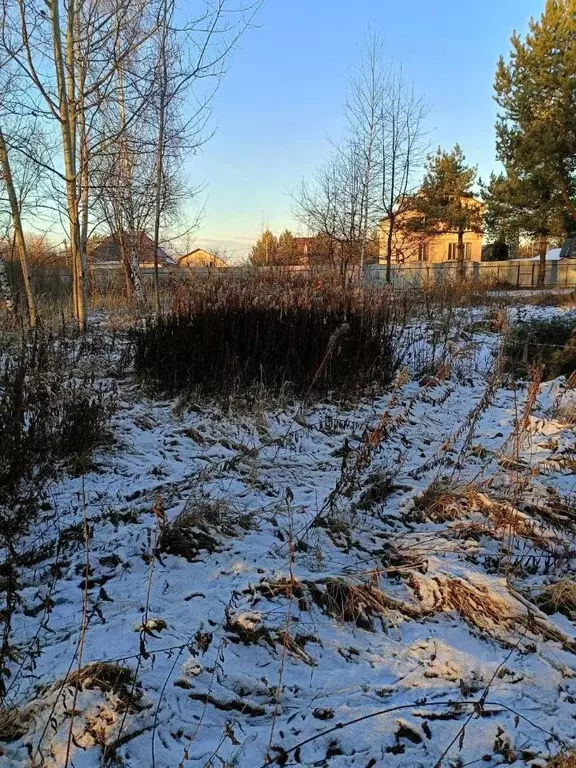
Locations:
18 234
372 173
364 107
61 52
332 207
402 151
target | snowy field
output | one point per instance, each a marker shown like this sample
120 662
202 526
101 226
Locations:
359 586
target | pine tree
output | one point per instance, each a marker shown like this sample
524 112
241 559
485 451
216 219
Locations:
287 252
445 202
536 93
265 251
526 206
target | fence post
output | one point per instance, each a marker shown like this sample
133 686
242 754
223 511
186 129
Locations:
532 277
518 276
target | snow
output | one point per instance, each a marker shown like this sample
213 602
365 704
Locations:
244 655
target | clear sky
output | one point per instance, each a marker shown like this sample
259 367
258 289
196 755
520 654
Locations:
284 92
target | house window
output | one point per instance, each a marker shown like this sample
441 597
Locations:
423 252
453 251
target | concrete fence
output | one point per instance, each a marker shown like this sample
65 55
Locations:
506 274
521 273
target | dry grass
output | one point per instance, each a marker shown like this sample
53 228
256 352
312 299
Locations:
106 677
442 502
492 612
565 414
559 598
360 603
202 525
563 761
13 725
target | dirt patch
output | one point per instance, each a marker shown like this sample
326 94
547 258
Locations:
233 705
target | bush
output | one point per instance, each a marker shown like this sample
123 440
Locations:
224 351
549 343
48 421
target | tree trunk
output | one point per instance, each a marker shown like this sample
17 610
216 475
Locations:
461 252
135 276
18 231
160 150
129 254
84 186
5 288
68 119
542 251
389 243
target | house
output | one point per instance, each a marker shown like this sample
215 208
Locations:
201 258
108 253
415 247
320 250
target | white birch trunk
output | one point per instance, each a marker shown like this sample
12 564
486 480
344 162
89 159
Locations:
5 289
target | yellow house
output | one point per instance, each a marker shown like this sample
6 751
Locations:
420 247
201 258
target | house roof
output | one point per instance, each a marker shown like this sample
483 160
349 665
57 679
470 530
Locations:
200 257
108 251
409 210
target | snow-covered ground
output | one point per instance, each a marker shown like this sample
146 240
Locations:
359 587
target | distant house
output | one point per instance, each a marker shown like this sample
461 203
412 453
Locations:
201 258
108 253
416 247
325 250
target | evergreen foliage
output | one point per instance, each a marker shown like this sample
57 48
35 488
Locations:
265 250
446 202
536 127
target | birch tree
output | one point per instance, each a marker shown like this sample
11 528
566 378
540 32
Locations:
373 172
59 51
20 242
402 150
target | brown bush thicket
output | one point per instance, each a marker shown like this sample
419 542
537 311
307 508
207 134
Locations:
232 340
49 420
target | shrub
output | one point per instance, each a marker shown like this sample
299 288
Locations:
550 343
224 351
48 420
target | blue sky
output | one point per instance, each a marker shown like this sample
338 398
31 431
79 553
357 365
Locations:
284 92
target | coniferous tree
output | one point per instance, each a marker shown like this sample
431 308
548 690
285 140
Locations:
287 252
445 202
265 251
536 93
526 205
